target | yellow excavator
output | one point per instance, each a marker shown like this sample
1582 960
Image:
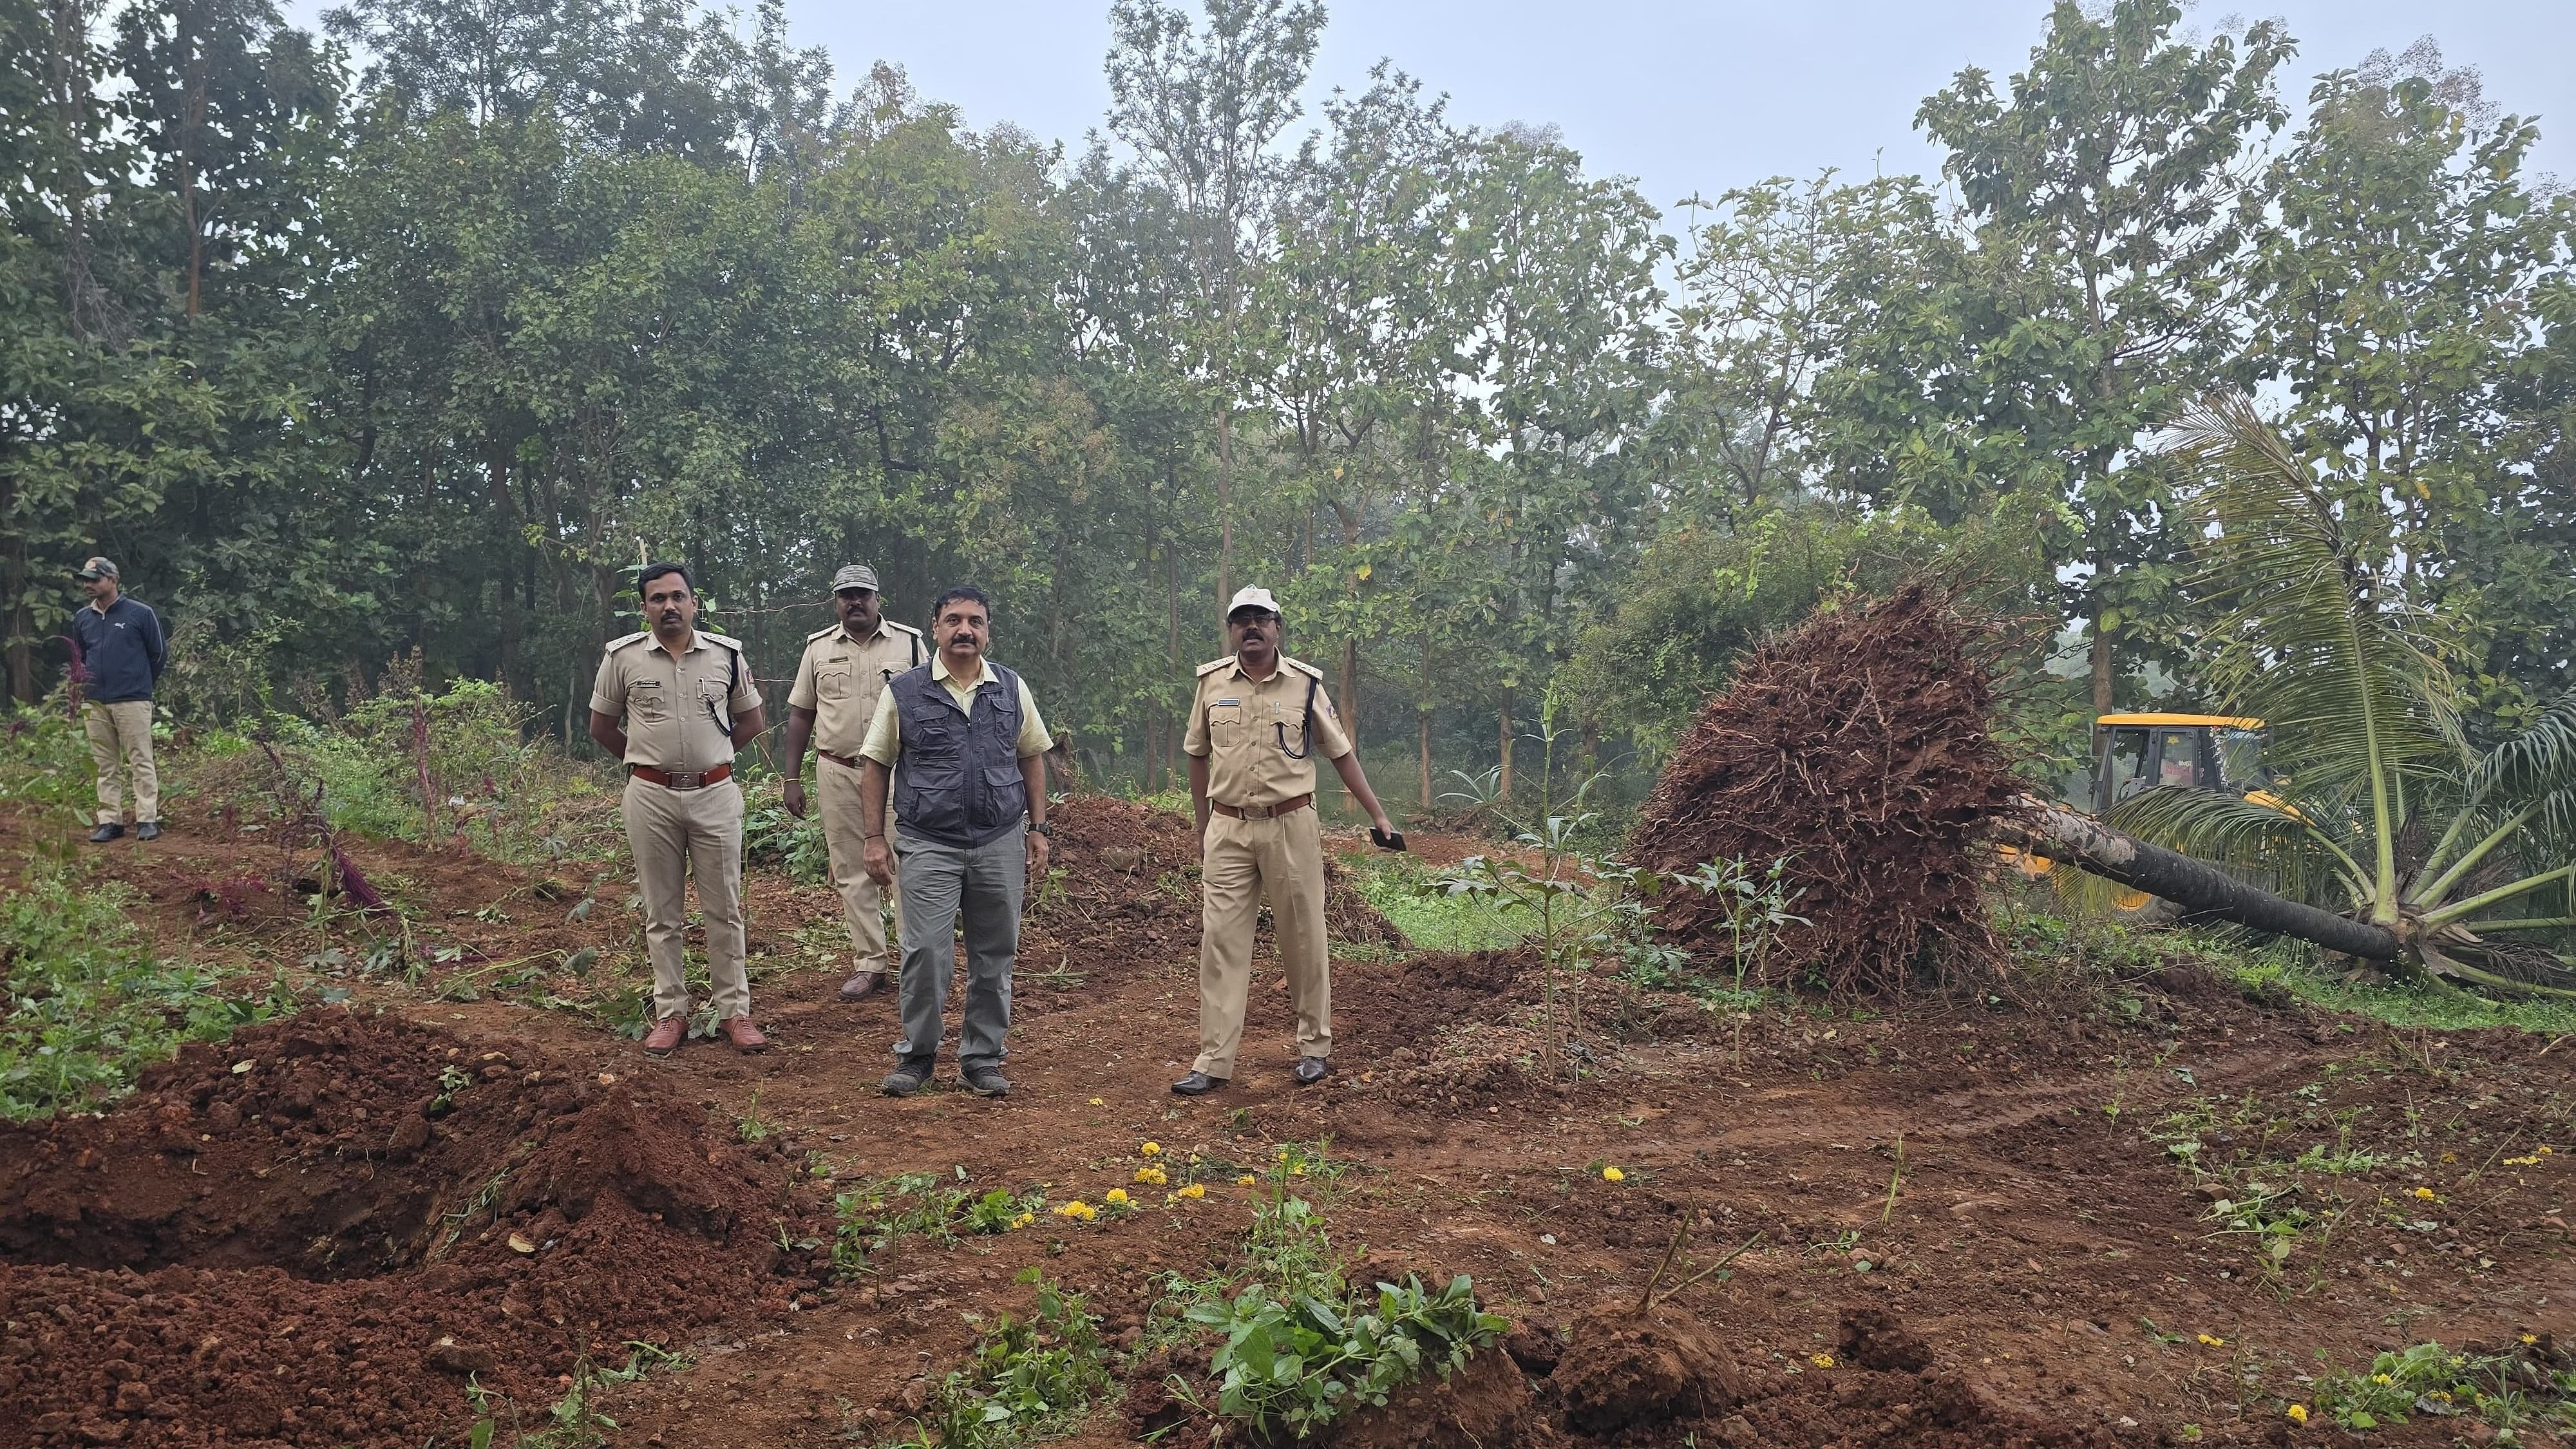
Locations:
2134 752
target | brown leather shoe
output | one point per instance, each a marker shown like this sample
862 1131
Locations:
744 1036
861 986
666 1036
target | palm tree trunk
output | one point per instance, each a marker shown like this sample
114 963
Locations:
2201 890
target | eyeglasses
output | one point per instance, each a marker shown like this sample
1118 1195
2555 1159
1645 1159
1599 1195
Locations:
1251 616
854 594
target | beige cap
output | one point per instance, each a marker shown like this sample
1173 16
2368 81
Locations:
855 576
1253 598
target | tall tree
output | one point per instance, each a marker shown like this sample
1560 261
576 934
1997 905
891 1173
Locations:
2111 183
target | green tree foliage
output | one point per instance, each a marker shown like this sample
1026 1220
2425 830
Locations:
419 335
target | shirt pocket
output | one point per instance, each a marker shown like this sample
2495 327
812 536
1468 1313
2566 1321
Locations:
833 684
1226 727
648 701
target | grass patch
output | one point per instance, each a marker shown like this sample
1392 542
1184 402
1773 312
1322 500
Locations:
2396 1005
874 1217
2507 1392
88 1005
1027 1379
1405 891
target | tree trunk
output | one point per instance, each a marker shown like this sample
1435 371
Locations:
1225 507
1350 691
1422 718
2101 652
2201 890
1503 733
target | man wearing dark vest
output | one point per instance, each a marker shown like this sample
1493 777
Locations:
960 743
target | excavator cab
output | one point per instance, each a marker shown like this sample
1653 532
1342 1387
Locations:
2136 752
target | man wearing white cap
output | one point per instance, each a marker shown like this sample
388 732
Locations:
1254 728
831 705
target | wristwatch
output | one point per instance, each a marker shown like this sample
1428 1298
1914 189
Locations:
1040 827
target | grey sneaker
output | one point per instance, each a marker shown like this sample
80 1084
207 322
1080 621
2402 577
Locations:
987 1082
905 1080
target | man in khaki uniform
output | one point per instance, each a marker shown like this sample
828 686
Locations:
675 704
832 703
1254 728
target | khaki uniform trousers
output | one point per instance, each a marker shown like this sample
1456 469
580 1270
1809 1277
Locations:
1241 862
845 837
122 734
676 834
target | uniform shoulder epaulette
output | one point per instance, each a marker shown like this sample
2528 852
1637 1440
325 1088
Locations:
1302 667
616 644
903 628
1213 665
726 641
826 632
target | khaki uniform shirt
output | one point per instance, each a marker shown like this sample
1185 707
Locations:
678 713
840 678
1238 725
885 732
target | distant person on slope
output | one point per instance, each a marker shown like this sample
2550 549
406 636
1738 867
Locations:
122 650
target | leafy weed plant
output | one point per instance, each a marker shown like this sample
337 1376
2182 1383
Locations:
1026 1379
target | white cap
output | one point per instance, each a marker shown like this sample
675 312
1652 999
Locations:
1252 598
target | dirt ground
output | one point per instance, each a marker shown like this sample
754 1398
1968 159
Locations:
1974 1223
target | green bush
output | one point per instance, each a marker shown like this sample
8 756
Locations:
88 1005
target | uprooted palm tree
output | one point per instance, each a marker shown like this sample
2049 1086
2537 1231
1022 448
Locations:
2394 840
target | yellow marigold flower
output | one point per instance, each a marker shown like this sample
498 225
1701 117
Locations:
2381 1379
1095 1101
1612 1174
2531 1161
1822 1360
2425 1193
2531 1338
1024 1220
2213 1342
1283 1154
1153 1175
1296 1169
1078 1210
1196 1189
2544 1149
1152 1149
1244 1181
1117 1197
2298 1413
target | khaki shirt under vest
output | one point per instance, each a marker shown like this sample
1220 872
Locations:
840 678
1238 725
677 713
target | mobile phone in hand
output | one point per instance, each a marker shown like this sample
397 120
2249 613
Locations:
1386 839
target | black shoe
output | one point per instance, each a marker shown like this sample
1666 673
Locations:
905 1080
987 1082
1197 1084
1310 1070
105 833
148 830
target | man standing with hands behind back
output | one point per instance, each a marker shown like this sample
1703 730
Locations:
831 704
123 650
675 704
960 743
1254 729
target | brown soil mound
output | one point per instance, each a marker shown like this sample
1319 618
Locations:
314 1234
1856 747
1622 1370
1483 1405
1124 894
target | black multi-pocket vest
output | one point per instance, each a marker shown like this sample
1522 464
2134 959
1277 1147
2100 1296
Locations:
957 775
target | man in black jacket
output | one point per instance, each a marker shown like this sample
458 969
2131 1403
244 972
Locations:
121 653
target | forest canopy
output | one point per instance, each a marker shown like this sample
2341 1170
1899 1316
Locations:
419 333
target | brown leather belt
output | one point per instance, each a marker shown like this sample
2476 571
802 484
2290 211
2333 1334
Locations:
846 762
1262 812
682 779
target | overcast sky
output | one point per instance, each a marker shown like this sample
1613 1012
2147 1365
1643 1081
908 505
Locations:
1684 96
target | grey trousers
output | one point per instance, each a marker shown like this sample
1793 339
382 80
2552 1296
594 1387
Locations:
937 882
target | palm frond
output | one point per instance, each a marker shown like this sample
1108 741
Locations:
2292 853
2309 637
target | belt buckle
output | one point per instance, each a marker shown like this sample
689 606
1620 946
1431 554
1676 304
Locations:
687 779
1260 812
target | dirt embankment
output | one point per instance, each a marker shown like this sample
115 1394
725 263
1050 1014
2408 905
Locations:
316 1233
